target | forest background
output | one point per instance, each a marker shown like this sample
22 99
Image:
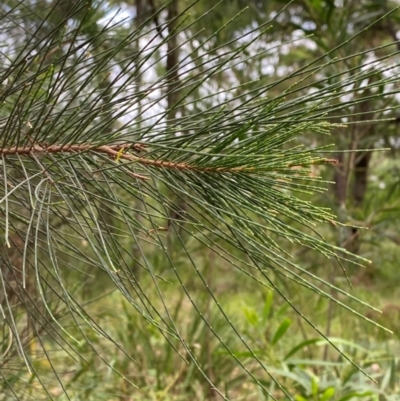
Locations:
150 266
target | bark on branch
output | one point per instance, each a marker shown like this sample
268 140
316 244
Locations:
120 152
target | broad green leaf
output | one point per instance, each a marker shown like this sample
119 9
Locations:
281 330
327 394
251 316
300 346
266 312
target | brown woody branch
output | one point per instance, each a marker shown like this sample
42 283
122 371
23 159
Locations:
79 148
119 152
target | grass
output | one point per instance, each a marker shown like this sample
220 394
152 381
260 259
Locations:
293 354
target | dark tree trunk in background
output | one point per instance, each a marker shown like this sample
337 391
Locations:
351 176
361 163
340 179
172 76
361 178
136 251
172 73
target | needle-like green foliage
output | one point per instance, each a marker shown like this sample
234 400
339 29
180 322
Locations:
95 178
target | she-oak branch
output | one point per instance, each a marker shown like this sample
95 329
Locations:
118 152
